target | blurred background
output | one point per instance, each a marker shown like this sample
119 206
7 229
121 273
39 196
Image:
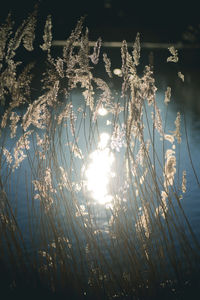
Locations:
157 21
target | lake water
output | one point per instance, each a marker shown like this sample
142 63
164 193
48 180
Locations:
185 98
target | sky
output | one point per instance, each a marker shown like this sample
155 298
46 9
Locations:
157 21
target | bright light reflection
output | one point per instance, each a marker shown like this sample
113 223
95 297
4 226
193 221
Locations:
104 138
99 171
102 111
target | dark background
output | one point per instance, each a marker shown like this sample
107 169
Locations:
115 20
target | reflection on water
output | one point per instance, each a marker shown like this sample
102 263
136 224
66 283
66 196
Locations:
99 171
102 111
91 174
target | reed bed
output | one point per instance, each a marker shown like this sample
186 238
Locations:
91 205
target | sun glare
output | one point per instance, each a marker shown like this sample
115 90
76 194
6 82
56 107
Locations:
99 171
